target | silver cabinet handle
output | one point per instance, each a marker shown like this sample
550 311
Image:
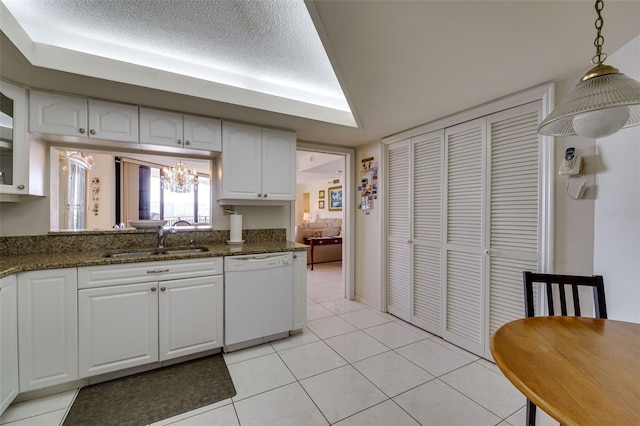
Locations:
20 186
259 195
179 141
163 288
187 143
153 289
265 195
81 130
158 271
409 241
93 132
295 256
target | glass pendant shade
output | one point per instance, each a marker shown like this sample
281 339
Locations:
601 104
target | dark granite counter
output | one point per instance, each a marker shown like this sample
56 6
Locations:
70 250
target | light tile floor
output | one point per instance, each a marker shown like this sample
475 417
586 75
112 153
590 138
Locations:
352 365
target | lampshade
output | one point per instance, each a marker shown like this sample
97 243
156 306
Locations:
306 217
603 102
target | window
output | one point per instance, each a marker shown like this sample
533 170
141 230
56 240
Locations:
193 207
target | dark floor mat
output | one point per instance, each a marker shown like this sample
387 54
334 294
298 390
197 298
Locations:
154 395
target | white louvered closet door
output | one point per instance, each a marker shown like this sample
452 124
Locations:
427 231
398 230
465 147
513 215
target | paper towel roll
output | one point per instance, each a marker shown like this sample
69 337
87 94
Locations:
236 228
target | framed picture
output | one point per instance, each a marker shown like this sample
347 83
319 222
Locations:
321 204
335 198
321 195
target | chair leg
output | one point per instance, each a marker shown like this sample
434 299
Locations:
531 413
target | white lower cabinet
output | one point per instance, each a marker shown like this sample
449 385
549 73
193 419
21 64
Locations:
126 325
299 290
9 386
118 327
47 328
191 316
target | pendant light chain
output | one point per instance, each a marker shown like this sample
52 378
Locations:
599 57
603 102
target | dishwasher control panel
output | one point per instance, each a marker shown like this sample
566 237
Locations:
254 262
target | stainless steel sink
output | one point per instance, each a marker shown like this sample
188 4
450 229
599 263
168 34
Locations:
158 252
133 254
184 250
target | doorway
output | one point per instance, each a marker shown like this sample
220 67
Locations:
321 212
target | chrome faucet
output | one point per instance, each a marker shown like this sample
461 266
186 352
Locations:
162 234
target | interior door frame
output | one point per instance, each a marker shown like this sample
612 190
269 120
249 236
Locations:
348 211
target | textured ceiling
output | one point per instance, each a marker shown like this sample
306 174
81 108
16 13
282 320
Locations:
267 46
400 63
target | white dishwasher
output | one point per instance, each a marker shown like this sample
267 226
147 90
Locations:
258 297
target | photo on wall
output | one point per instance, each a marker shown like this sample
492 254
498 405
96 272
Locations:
335 198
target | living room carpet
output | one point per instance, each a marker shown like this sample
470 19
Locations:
153 395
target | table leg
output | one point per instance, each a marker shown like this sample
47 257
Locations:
312 257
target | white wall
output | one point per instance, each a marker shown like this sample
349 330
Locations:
573 219
617 207
313 189
369 236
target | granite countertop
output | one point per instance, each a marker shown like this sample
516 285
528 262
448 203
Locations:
11 264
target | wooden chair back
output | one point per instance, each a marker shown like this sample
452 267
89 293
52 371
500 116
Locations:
563 283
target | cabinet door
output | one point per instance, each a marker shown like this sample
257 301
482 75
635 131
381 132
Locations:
299 290
47 327
113 121
202 133
160 127
118 327
14 141
278 165
57 114
8 341
241 162
190 316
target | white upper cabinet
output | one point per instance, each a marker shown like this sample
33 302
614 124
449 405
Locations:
257 164
278 165
173 129
22 161
76 117
202 133
113 121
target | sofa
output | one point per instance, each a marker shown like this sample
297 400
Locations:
321 228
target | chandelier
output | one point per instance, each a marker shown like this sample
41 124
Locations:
603 102
178 178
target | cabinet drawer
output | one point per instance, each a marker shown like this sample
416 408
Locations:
108 275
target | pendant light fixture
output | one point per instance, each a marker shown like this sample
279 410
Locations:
603 102
178 178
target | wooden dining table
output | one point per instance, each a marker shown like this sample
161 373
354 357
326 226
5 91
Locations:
580 371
